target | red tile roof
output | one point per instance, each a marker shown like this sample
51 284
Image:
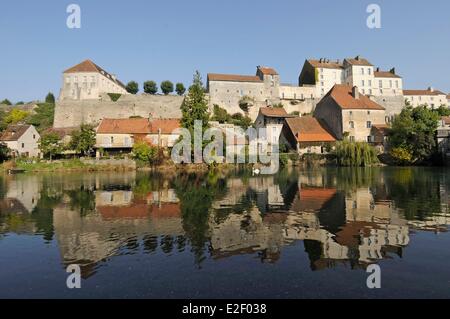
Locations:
267 71
309 129
233 78
89 66
311 199
274 112
423 92
13 132
386 74
138 126
342 95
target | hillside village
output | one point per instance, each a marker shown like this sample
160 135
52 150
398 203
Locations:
349 100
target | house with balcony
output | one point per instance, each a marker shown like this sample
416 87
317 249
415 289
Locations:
120 135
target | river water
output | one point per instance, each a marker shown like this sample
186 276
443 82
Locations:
298 234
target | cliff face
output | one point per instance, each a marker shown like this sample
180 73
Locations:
70 113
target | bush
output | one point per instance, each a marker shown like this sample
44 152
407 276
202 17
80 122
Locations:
401 156
4 152
180 89
167 87
132 87
150 87
355 154
144 152
114 96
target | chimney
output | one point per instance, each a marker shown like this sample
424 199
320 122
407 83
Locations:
357 58
392 70
355 92
337 61
320 60
378 69
430 89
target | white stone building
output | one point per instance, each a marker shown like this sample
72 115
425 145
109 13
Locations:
22 140
430 97
324 74
88 81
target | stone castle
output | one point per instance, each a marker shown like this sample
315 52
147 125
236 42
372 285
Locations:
84 94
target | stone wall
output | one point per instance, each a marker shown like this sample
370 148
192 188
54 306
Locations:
74 113
392 104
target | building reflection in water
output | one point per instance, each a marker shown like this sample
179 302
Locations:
337 217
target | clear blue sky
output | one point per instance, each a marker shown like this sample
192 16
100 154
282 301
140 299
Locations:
158 40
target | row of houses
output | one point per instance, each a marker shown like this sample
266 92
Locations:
344 112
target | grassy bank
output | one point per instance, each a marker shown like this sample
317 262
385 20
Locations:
64 165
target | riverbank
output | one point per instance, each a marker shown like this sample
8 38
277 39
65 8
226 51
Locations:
118 165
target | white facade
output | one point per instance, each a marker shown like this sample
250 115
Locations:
324 74
87 81
430 97
27 144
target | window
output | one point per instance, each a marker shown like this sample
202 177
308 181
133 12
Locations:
351 124
362 71
396 84
380 83
369 139
368 112
369 124
369 71
112 139
352 138
370 91
321 83
362 83
34 136
390 84
370 82
23 145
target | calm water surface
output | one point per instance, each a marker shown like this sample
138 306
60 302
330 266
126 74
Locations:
299 234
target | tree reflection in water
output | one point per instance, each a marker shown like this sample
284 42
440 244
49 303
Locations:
342 216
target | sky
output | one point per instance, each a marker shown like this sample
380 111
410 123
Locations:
168 40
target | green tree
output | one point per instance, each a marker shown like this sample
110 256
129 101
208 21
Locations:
240 120
20 103
6 102
50 98
414 130
83 140
167 87
443 111
195 106
43 116
220 115
15 116
50 145
401 155
150 87
132 87
355 154
180 89
144 152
